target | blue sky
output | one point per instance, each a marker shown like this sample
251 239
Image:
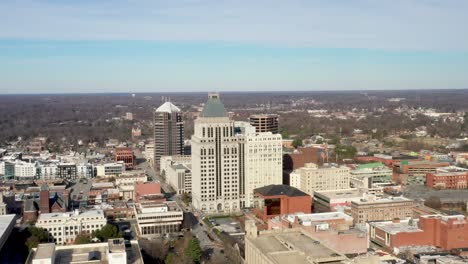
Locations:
66 46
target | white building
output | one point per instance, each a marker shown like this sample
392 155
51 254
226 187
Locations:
156 218
215 160
25 170
84 170
113 251
178 172
48 171
262 158
64 227
312 178
110 169
149 153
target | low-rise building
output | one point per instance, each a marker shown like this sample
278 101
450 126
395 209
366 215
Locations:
275 200
158 218
336 200
371 209
110 169
64 227
365 175
178 172
125 155
286 246
448 178
114 251
312 178
148 191
445 232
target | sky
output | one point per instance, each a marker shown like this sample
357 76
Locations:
101 46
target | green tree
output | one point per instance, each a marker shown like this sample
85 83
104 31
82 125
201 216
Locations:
297 143
345 152
193 250
107 232
82 238
37 235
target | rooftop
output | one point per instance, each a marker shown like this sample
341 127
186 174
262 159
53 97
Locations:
383 200
168 107
280 189
319 217
407 226
294 246
68 215
213 107
339 194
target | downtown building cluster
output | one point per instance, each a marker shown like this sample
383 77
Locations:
229 159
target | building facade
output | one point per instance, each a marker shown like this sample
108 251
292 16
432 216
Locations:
168 132
156 218
215 160
64 227
265 123
126 155
445 232
313 178
275 200
367 210
178 172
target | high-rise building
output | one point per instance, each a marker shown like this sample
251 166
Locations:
265 123
215 160
261 160
168 132
230 160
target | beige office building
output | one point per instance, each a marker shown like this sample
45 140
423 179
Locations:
312 178
385 209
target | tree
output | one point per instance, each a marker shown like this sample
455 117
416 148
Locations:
107 232
297 143
193 250
169 258
37 235
82 238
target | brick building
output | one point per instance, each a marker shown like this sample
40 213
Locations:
126 155
367 210
445 232
448 178
148 191
303 155
276 200
405 171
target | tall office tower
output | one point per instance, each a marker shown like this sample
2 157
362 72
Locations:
265 123
230 160
168 132
261 160
215 160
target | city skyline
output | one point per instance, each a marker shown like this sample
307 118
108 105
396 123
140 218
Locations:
186 46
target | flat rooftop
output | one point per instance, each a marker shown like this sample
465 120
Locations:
294 246
383 200
337 194
406 226
320 217
67 215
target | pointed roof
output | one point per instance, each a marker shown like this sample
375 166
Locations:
214 107
168 107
